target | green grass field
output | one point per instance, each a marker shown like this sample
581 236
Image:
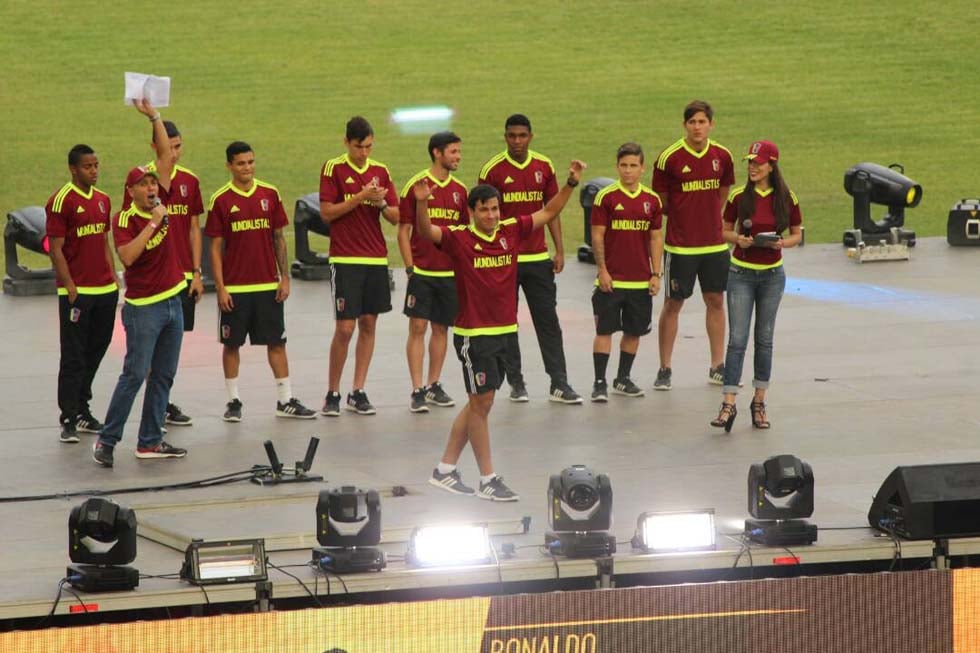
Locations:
832 84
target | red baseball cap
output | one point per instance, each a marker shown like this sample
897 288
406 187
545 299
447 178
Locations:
763 152
137 173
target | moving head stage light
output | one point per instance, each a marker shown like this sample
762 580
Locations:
580 514
309 265
348 526
586 198
780 494
26 228
870 183
102 538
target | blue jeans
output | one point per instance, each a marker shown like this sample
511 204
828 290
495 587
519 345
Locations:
153 336
747 290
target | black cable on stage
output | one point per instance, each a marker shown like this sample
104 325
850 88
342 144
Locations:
54 606
224 479
298 580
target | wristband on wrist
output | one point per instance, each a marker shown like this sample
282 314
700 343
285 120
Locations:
383 205
155 117
658 275
571 182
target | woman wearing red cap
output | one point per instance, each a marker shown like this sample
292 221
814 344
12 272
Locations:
757 218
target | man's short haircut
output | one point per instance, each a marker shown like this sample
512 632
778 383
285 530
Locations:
518 120
76 153
441 140
481 193
172 131
629 149
358 129
698 105
236 148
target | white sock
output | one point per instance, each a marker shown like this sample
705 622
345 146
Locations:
232 386
284 390
445 468
486 479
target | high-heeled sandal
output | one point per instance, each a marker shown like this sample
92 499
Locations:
759 420
726 416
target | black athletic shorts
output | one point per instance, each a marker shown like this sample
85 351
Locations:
431 298
483 360
359 290
680 271
624 309
189 305
257 315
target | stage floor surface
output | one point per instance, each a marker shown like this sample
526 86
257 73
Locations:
876 365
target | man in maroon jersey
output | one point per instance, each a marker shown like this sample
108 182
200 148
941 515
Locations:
355 193
628 245
77 229
485 331
152 315
692 178
184 208
525 180
430 298
251 277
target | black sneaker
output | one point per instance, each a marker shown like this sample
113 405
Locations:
161 450
600 391
234 411
417 402
176 417
357 402
626 387
450 482
434 394
518 393
716 375
496 490
69 432
562 393
331 405
663 379
293 408
86 423
102 454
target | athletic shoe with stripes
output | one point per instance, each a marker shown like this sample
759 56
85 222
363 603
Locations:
293 408
626 387
86 423
162 449
496 490
434 394
450 482
716 375
357 402
562 393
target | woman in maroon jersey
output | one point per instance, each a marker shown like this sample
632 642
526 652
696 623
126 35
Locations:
756 218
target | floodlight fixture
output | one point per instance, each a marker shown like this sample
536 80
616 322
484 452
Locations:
26 228
309 265
102 541
780 497
348 526
450 545
224 562
580 514
870 183
586 198
665 532
422 120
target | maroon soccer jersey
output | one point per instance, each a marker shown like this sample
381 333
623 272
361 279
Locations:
690 182
628 218
763 220
447 206
183 201
486 275
82 219
246 220
524 188
356 237
155 275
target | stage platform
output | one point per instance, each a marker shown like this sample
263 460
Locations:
876 365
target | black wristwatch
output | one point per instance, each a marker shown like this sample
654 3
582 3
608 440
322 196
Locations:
571 182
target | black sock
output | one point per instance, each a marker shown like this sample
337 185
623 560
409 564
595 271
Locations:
600 362
625 365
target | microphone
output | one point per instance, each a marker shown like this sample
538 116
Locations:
156 202
747 227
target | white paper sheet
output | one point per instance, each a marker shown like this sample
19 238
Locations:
155 89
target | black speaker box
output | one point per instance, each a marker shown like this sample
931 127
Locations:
963 224
926 502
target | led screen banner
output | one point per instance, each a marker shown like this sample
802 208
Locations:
917 612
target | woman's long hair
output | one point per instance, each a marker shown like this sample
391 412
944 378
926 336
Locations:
780 201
